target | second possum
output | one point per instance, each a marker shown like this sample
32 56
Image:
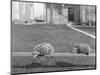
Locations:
82 48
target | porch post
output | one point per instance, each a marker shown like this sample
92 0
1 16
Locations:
51 14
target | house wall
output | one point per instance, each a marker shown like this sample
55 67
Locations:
27 11
76 12
40 11
52 13
88 15
21 11
15 11
30 11
60 13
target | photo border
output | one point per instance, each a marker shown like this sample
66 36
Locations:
53 3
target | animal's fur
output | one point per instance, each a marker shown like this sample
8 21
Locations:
82 48
43 49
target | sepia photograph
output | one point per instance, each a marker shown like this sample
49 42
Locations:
52 37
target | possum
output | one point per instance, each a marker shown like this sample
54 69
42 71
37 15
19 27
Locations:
43 49
82 48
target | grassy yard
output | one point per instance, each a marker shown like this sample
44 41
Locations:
90 30
28 64
25 37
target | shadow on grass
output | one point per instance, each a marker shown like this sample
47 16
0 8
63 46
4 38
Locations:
57 65
64 64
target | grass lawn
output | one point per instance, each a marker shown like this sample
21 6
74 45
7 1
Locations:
90 30
25 37
24 70
28 64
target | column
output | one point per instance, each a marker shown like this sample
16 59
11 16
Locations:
27 11
51 14
15 10
32 11
22 11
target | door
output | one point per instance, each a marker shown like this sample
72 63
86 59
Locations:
70 14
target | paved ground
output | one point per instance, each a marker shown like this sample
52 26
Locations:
54 54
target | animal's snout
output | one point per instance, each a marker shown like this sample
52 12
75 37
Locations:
75 50
35 54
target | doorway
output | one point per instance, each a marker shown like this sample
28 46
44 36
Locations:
70 14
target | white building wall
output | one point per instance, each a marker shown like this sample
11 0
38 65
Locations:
27 11
22 11
88 14
32 11
48 15
60 18
40 10
15 11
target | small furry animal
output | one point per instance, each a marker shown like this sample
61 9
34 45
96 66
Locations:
82 48
43 49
